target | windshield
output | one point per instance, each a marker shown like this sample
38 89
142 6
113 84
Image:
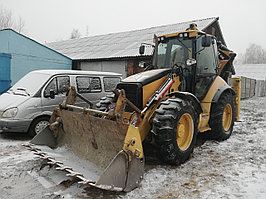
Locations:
174 51
29 84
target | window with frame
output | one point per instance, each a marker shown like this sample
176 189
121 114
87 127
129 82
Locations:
206 61
110 83
174 51
63 83
88 84
58 84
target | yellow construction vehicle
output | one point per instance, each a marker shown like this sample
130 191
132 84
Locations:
180 94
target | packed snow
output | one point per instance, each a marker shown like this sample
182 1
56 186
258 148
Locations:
235 168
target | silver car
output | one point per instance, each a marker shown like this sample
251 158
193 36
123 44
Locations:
28 105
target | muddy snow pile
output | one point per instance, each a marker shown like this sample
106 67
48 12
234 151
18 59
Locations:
235 168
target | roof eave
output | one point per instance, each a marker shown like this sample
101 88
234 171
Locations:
113 58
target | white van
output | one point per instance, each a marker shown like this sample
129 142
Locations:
28 105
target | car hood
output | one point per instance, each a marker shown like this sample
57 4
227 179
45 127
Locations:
8 100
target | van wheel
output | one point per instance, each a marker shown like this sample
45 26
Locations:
38 125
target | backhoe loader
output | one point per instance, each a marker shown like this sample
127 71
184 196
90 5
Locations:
182 93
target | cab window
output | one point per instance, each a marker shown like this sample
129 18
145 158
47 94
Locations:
206 68
174 51
206 60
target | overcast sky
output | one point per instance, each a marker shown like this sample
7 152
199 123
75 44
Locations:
242 21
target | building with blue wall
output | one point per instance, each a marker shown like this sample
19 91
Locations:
20 54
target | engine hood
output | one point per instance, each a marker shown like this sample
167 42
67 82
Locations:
147 76
8 100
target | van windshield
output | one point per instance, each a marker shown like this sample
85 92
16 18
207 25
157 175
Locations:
29 84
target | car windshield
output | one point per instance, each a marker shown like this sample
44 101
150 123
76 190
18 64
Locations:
29 84
174 51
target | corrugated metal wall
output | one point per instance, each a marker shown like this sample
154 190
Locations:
107 66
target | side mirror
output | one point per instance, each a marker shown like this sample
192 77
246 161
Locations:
52 94
206 41
141 49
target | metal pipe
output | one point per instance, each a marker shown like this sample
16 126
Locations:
85 100
87 109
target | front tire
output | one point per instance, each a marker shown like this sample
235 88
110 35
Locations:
222 117
175 129
38 125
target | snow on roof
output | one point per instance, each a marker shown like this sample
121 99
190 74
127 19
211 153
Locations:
255 71
122 44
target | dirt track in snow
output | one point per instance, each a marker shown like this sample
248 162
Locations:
235 168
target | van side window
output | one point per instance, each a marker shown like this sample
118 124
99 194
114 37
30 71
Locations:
63 83
59 85
88 84
96 84
52 86
110 83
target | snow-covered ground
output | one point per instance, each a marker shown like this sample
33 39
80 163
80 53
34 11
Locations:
235 168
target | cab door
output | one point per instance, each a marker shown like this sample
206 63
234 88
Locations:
207 63
57 85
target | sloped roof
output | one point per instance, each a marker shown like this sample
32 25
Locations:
45 46
122 44
255 71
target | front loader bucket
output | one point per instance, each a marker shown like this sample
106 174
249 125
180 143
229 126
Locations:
45 137
93 150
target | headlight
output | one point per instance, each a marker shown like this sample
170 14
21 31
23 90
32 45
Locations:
9 113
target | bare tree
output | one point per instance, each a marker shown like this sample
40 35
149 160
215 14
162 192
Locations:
255 54
7 21
19 25
75 34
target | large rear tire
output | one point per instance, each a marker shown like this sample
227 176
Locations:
175 129
222 117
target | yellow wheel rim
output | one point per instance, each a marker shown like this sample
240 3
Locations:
227 117
184 131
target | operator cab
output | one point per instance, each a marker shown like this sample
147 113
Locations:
192 55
